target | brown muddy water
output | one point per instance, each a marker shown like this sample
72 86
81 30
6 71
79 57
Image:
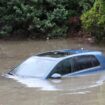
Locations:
85 90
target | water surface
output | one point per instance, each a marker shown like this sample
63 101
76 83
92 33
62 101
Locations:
84 90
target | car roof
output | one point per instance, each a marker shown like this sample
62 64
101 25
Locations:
65 53
77 51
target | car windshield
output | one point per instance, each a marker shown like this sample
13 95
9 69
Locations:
34 67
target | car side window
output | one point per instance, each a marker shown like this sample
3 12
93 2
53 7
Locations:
64 67
84 62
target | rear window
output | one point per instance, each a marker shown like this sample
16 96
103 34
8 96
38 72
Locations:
85 62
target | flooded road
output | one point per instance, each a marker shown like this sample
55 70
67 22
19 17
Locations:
84 90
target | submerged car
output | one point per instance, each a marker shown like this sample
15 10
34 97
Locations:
61 63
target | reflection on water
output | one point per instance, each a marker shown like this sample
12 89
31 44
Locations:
77 84
35 83
82 90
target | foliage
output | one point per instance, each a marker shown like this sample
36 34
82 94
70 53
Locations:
37 17
86 4
94 20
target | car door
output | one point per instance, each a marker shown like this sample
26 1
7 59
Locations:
76 65
63 68
85 63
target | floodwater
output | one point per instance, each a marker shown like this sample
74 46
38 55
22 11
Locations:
84 90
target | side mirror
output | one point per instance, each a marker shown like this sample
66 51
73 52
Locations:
56 76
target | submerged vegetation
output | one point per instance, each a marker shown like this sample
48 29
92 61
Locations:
51 18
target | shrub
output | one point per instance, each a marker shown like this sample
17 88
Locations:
94 20
86 4
45 18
